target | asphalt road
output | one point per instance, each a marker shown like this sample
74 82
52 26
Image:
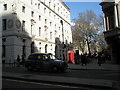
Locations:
88 74
20 84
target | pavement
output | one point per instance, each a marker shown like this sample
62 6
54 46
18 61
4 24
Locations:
115 85
95 67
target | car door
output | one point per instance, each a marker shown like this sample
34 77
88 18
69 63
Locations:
39 62
46 62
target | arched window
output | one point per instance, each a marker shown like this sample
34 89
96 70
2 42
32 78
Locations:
32 47
46 48
3 51
24 50
56 49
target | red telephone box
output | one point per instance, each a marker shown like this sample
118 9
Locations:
70 56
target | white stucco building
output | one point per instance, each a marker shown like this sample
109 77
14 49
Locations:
0 35
35 26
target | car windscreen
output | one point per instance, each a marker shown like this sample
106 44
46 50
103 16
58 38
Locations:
42 57
35 57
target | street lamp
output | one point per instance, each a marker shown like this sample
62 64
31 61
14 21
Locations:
62 40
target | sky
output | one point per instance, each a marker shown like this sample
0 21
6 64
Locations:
76 7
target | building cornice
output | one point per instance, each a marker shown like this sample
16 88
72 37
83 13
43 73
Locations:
55 13
64 5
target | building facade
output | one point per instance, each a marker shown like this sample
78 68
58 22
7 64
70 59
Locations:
0 35
31 26
111 12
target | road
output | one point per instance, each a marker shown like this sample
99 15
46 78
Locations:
88 74
20 84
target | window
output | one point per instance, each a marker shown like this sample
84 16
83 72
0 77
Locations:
32 47
59 28
55 32
5 6
54 7
4 24
50 13
54 16
45 21
50 35
31 28
23 9
58 9
50 23
24 50
44 10
32 14
39 31
59 36
3 47
46 48
49 4
39 6
23 25
55 26
40 49
39 17
31 1
3 51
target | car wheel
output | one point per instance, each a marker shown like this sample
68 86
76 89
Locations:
30 68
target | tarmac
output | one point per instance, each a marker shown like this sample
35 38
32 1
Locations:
115 85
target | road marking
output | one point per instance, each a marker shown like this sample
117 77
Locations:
30 82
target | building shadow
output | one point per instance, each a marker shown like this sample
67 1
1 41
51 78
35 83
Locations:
16 39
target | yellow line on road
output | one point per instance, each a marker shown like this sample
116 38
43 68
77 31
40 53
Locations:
30 82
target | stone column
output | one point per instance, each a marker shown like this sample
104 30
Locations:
116 16
105 22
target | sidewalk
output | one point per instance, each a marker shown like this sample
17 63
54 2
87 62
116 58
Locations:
93 66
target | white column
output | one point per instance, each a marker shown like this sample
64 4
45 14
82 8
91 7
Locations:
105 22
116 16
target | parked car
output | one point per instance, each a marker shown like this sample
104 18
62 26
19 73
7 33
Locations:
45 61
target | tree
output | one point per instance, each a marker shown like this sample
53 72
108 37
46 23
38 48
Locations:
87 32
